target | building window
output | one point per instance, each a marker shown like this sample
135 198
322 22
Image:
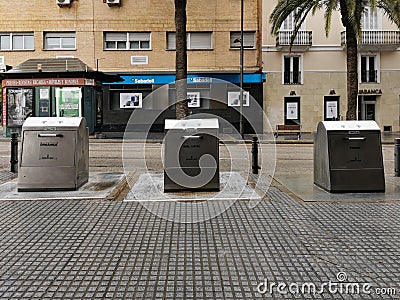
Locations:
249 38
59 40
370 19
195 40
292 69
127 40
16 41
289 23
369 68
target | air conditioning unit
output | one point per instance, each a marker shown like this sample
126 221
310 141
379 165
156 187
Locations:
113 2
3 66
63 2
139 60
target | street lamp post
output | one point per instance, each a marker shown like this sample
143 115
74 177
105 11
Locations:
241 69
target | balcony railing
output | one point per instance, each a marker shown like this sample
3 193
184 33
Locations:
292 77
303 38
369 76
376 38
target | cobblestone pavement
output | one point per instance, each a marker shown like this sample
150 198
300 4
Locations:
114 250
120 250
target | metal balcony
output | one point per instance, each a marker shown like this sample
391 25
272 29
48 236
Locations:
376 40
302 41
369 76
292 77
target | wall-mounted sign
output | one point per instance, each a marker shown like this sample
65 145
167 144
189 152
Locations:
234 98
292 110
44 93
331 109
130 100
4 120
194 99
49 82
370 92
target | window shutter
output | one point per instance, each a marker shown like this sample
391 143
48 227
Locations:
171 41
200 40
115 36
139 36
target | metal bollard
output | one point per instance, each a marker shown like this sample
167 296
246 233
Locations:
254 156
397 157
14 152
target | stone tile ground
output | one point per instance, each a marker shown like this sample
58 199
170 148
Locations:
115 250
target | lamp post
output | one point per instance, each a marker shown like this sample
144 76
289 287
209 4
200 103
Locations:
241 70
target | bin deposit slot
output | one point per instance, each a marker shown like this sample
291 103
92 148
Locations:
361 138
59 135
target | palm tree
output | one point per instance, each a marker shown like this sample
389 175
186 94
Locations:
351 13
181 60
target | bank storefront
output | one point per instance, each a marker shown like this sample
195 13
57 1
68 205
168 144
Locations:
211 93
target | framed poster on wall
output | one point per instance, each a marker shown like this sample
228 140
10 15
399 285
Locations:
68 102
130 100
331 109
292 110
234 98
193 99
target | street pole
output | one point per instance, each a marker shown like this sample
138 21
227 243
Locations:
241 70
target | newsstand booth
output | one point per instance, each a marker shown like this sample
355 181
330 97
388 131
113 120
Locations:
52 88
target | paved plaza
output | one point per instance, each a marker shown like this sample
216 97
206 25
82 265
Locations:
278 247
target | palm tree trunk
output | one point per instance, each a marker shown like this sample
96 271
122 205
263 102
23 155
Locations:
352 63
181 60
352 74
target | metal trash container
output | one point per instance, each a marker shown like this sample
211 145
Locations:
54 154
348 157
191 155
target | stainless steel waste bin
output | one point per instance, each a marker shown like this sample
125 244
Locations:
191 155
54 154
348 157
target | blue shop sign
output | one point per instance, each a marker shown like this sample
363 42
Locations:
162 79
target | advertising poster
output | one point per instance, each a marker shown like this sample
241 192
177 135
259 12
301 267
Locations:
292 111
234 98
68 102
331 109
19 106
130 100
194 99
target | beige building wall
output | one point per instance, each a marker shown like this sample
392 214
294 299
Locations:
324 70
91 18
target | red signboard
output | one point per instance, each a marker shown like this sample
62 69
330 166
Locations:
49 82
4 120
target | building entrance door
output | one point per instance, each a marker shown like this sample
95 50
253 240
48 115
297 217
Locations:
366 107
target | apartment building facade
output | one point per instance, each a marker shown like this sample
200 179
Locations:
308 84
135 39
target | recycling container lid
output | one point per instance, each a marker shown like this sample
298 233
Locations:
191 123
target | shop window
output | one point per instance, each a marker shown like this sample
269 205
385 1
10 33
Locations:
249 39
195 40
16 41
59 40
127 40
369 68
292 69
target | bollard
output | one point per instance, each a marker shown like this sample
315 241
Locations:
396 157
254 156
14 152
